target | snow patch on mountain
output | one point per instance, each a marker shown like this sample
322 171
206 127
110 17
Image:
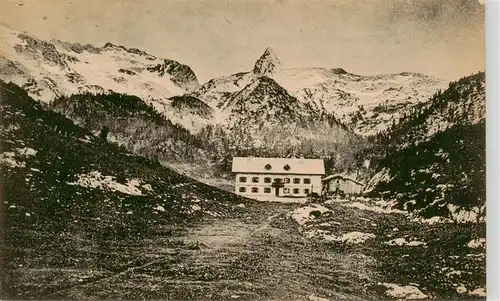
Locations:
477 243
14 158
368 104
96 180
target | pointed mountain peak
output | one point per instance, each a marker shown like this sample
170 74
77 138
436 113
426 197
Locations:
269 51
267 63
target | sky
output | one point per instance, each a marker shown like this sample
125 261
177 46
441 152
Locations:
441 38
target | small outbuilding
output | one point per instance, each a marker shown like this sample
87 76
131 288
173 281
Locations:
340 184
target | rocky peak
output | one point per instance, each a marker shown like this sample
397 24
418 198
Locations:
267 63
180 74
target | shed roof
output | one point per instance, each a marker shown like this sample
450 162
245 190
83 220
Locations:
279 165
339 176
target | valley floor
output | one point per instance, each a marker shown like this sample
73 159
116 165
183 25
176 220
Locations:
265 251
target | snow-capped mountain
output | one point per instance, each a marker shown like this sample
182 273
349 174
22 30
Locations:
366 104
269 115
51 69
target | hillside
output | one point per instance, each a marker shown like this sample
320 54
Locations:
128 121
367 104
463 102
69 199
434 161
87 83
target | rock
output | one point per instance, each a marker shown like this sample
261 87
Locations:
160 208
461 289
241 206
356 237
404 292
316 298
315 213
480 292
477 243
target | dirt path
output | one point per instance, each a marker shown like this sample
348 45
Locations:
263 257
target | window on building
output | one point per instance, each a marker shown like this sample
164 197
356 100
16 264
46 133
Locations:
286 190
243 179
296 181
286 167
255 179
242 189
287 180
307 181
306 190
267 180
268 167
295 191
338 181
267 190
255 189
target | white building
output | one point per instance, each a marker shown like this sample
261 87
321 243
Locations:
265 178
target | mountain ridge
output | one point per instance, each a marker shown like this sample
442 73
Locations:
366 104
52 69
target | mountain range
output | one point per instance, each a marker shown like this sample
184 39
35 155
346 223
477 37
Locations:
51 69
365 104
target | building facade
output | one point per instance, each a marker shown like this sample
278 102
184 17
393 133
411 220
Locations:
340 184
265 178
